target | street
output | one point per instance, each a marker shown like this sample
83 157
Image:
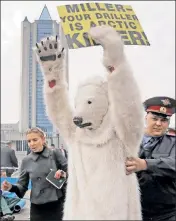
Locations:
24 213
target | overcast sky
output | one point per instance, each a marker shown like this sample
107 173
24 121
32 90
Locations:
153 66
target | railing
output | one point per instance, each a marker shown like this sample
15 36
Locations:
19 142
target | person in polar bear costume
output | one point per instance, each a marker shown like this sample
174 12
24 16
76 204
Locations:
103 130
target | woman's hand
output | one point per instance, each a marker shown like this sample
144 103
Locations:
59 174
6 186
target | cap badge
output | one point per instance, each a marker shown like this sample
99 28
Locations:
166 102
163 110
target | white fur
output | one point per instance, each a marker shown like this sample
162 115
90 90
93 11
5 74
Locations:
98 187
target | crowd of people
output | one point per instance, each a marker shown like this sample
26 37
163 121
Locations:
155 168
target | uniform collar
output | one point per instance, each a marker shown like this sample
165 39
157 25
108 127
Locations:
45 154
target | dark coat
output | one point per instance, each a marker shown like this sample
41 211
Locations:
36 167
158 182
8 159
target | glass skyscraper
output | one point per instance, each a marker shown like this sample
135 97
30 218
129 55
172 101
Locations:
32 103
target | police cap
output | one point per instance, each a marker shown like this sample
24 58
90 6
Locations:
164 106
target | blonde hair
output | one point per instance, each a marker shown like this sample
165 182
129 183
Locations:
39 131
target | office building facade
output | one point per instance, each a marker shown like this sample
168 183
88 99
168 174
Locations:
33 112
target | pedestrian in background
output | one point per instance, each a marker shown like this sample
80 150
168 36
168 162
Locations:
64 151
46 200
8 158
52 146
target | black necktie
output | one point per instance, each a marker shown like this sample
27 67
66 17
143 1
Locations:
149 142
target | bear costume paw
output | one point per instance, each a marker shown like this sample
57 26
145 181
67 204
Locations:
112 44
50 56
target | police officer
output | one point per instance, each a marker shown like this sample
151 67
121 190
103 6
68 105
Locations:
155 166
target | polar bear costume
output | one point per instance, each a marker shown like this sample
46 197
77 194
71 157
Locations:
105 128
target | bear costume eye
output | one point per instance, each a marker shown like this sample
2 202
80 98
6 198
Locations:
89 102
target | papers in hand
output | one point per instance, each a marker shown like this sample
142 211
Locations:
58 183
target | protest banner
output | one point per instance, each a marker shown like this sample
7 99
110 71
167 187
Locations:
76 20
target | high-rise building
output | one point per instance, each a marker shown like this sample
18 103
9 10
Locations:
32 110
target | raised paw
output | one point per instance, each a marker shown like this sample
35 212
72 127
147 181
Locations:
105 35
112 44
49 49
50 55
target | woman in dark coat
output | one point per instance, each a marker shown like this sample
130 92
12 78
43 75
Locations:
46 200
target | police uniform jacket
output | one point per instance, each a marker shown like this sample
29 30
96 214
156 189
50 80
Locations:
36 167
158 182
